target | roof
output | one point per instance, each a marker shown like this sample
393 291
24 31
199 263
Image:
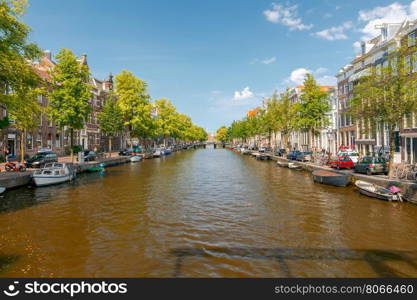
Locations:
253 112
324 88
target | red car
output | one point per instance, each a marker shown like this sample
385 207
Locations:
342 162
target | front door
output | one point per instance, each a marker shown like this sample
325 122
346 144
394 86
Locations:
11 146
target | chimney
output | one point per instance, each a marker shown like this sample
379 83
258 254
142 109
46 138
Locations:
363 48
47 54
384 32
84 59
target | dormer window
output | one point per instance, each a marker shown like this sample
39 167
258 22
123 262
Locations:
411 39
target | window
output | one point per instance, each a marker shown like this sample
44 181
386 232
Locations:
29 142
411 39
408 65
409 121
57 141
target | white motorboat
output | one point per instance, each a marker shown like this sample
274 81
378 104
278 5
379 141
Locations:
294 166
136 158
158 153
54 173
2 190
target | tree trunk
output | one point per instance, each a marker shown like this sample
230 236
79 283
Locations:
22 146
391 150
72 144
110 138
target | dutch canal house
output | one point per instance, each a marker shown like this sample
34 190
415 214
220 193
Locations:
326 138
358 135
48 135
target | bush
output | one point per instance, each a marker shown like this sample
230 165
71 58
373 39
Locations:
75 149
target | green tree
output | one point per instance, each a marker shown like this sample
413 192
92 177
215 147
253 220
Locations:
386 95
134 102
26 112
288 116
221 134
111 119
70 94
314 108
166 119
15 50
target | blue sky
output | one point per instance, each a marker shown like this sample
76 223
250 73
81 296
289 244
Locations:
214 59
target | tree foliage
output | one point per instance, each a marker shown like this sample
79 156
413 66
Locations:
70 94
385 95
15 50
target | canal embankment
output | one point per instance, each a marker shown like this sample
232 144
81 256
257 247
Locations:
408 189
12 180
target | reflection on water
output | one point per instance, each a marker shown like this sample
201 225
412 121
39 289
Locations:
204 213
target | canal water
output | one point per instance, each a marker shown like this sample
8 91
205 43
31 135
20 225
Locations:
204 213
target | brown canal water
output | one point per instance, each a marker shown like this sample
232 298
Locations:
204 213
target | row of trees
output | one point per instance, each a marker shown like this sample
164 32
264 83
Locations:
281 114
128 109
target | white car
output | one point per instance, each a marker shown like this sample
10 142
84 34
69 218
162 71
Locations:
353 155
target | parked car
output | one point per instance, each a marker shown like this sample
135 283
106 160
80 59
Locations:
262 149
353 155
89 155
292 155
125 152
41 158
280 152
304 156
342 162
372 165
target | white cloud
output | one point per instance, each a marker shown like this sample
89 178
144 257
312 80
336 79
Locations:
298 75
357 46
393 13
268 61
243 95
335 33
287 16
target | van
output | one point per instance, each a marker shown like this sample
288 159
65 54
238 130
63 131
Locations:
41 158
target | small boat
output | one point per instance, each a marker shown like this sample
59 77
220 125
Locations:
167 151
54 173
99 168
294 166
283 164
376 191
136 158
2 190
158 153
331 178
262 156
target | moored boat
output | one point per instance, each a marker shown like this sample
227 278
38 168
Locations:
376 191
283 164
294 166
99 168
2 190
136 158
331 178
54 173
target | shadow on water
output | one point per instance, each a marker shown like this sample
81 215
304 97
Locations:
376 259
6 261
31 195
